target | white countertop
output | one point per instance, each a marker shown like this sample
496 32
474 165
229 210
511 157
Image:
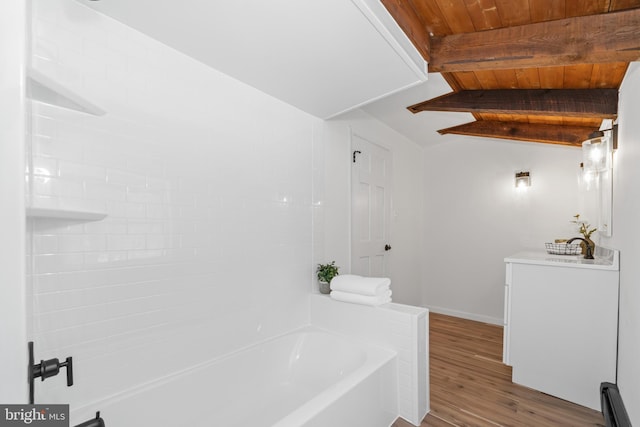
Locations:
605 259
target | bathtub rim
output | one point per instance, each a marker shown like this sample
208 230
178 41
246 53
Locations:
376 358
383 355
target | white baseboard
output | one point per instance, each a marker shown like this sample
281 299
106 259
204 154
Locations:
465 315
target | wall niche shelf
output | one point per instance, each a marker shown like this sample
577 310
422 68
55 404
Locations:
77 215
44 89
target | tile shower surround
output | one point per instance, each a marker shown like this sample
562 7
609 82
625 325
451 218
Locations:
208 187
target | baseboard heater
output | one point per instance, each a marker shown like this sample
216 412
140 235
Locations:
613 410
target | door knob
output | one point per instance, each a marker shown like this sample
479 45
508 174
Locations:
387 247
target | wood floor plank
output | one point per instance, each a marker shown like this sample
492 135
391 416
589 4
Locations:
470 386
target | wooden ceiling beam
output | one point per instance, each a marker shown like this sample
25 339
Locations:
530 132
593 39
408 20
587 103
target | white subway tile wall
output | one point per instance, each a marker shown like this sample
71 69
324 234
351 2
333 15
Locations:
207 186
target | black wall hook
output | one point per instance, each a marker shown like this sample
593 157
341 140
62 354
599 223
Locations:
46 369
354 155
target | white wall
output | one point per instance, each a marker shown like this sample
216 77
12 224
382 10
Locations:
13 307
474 217
406 205
626 211
207 184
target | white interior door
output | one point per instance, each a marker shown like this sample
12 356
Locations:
370 208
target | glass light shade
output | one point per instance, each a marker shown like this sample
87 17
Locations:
587 180
596 154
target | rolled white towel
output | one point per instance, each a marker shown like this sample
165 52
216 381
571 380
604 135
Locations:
361 299
354 284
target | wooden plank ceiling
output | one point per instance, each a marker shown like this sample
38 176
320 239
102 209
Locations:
554 65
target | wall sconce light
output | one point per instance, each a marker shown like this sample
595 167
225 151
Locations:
596 152
596 177
523 179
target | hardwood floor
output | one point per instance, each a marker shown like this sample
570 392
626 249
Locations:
470 386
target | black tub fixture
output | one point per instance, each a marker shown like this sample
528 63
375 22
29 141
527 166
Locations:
94 422
46 369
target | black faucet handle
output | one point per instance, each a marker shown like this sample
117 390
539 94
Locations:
69 365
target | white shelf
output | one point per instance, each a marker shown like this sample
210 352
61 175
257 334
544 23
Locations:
44 89
78 215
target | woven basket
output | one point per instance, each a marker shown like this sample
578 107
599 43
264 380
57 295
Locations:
563 248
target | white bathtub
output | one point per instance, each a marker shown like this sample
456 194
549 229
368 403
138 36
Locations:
309 378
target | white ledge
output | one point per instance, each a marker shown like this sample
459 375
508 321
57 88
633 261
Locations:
65 214
44 89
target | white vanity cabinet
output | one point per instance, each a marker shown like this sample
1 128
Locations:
561 323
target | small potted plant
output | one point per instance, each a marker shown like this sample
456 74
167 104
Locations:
586 232
325 273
